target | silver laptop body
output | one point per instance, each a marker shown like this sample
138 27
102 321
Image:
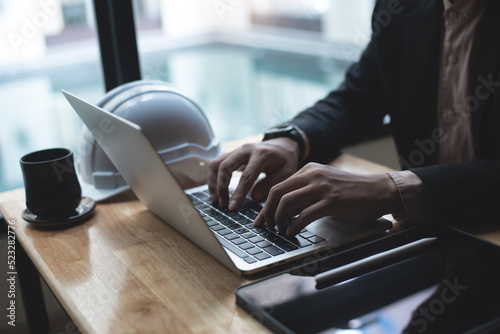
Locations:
136 159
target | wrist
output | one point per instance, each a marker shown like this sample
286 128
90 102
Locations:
294 133
307 147
287 144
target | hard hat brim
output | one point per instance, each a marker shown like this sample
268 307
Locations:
99 194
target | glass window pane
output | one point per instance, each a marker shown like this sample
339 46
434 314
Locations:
50 45
251 64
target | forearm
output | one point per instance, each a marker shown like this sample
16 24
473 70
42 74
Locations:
324 125
464 193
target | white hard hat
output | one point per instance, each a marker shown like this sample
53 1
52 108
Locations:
173 123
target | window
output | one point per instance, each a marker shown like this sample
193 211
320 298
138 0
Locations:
253 64
249 64
46 46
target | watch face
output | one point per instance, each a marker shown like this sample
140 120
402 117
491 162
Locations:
282 129
287 131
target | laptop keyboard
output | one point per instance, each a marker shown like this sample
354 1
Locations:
236 232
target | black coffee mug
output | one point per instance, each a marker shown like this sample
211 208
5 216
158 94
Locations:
51 184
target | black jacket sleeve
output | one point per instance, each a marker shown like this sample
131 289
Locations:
356 108
383 81
461 194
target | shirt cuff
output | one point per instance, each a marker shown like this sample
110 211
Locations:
411 190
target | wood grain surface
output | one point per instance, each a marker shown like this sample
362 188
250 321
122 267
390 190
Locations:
126 271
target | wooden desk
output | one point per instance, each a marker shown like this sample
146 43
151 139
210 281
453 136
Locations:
124 270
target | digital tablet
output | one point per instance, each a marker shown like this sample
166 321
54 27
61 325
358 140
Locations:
450 285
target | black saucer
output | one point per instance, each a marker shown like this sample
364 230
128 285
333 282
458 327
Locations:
84 209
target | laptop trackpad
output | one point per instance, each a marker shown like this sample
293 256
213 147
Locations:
340 232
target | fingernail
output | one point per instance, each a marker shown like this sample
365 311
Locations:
232 205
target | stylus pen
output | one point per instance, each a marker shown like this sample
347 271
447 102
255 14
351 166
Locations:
336 273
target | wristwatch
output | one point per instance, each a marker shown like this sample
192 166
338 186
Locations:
287 131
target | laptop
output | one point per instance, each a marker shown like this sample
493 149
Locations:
229 236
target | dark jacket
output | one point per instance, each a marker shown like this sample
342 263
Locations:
398 75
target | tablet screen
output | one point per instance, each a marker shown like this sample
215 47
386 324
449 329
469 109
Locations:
451 287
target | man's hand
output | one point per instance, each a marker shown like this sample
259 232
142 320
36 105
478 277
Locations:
277 158
318 190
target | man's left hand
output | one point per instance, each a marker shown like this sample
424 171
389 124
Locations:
317 191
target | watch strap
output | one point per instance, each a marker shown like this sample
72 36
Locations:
287 131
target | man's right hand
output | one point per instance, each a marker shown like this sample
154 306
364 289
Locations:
277 158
